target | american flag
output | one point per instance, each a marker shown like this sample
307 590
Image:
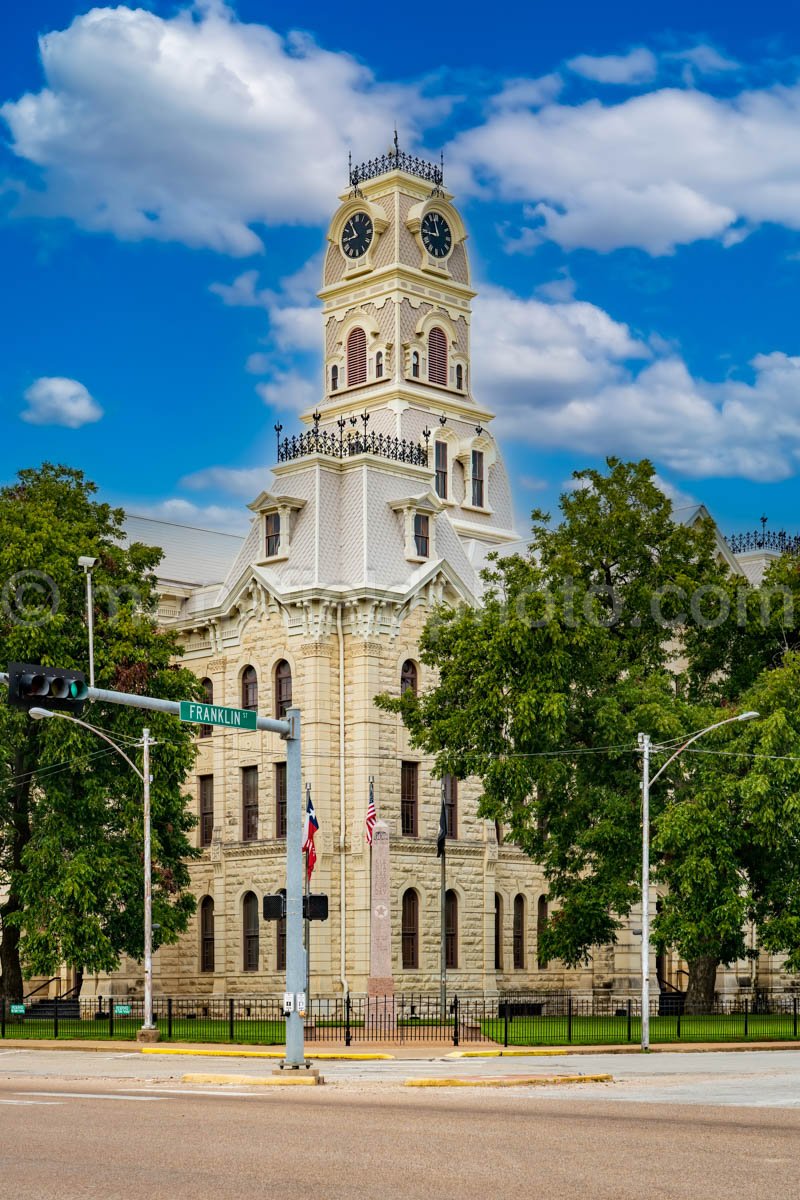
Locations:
312 825
372 816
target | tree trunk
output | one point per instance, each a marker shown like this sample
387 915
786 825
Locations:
702 977
19 834
11 981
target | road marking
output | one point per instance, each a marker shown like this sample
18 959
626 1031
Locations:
88 1095
218 1095
41 1102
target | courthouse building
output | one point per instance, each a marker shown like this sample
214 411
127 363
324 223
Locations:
384 504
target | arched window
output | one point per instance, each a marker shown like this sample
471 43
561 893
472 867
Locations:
477 478
249 688
207 934
250 932
283 689
334 378
460 377
450 788
541 923
519 932
415 365
410 929
280 940
450 929
379 365
208 696
408 677
249 804
356 357
437 356
440 464
498 932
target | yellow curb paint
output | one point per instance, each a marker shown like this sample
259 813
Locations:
255 1081
506 1053
533 1081
279 1054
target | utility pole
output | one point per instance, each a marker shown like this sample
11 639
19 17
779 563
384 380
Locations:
644 742
148 887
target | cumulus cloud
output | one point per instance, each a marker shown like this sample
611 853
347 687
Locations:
705 59
637 66
195 127
55 401
654 171
184 512
235 481
288 391
567 376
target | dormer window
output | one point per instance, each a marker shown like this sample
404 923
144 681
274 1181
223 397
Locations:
415 365
272 523
356 357
422 538
477 479
379 365
437 356
440 454
334 379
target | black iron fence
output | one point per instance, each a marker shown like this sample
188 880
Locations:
536 1019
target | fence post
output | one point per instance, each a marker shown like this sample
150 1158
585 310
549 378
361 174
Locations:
680 1010
3 1016
169 1018
455 1020
505 1023
745 1018
230 1019
55 1017
569 1017
347 1036
111 1016
794 1016
629 1019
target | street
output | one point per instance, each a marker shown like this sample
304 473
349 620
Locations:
126 1125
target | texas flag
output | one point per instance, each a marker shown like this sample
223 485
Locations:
312 825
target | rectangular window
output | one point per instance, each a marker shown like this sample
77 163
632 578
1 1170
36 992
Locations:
273 527
450 785
421 535
409 775
280 800
477 478
440 449
249 804
206 809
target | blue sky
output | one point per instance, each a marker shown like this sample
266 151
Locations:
630 179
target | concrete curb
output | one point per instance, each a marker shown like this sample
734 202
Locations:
275 1054
257 1081
506 1053
531 1081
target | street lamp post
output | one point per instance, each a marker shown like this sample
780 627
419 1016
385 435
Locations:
39 714
87 563
647 747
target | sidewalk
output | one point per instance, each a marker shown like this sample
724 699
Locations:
422 1051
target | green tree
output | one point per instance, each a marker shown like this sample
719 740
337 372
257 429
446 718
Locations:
71 831
542 691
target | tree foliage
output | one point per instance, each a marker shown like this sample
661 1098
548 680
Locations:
595 635
71 830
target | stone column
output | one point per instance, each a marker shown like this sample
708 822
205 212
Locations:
381 1015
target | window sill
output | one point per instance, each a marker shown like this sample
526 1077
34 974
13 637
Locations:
273 558
418 558
478 509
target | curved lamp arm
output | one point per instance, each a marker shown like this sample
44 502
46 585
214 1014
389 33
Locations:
39 714
745 716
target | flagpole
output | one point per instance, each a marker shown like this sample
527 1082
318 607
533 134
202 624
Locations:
443 981
307 922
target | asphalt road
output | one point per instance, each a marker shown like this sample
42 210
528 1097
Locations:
704 1127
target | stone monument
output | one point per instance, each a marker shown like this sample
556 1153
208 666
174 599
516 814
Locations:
381 1014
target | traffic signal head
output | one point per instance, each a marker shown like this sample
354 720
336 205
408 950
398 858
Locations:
31 685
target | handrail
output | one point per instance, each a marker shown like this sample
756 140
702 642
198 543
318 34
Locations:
47 982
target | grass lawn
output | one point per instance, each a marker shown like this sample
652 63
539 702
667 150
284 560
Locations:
252 1032
599 1031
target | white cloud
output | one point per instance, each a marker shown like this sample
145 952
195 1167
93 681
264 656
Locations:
57 401
637 66
246 482
195 127
532 483
655 171
288 391
210 516
528 93
706 59
567 376
679 497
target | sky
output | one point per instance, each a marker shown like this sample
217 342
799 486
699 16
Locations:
629 176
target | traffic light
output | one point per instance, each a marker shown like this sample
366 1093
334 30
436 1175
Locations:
31 685
274 907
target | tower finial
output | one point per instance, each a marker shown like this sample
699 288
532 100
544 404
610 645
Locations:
396 141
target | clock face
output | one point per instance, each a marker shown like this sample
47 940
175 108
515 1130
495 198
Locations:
357 235
436 236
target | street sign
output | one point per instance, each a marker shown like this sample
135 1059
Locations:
18 1010
122 1010
213 714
